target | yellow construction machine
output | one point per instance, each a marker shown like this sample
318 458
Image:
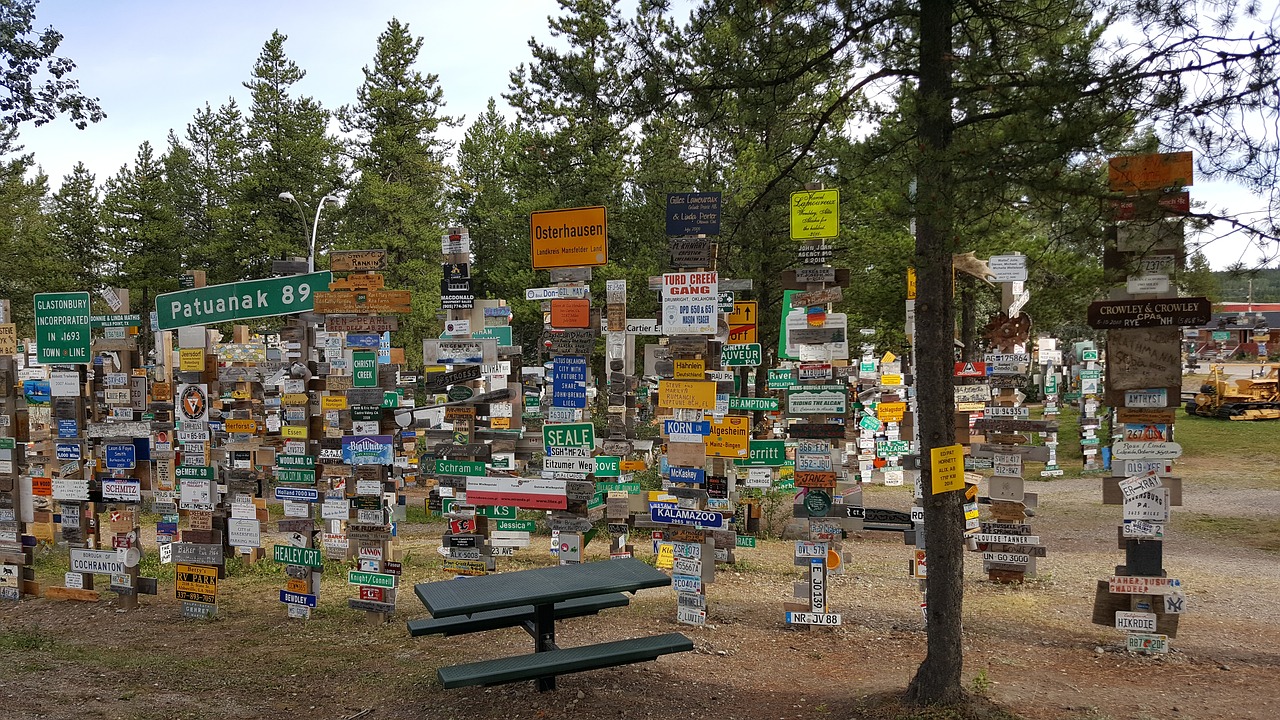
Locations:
1245 399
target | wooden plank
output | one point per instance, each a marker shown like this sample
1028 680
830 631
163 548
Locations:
63 593
1144 357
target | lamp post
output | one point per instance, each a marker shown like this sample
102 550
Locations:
287 196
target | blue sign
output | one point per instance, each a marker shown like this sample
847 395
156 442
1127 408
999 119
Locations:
368 449
68 451
297 494
166 528
695 476
686 427
692 213
503 311
121 457
569 381
68 428
384 349
671 515
297 598
363 340
37 392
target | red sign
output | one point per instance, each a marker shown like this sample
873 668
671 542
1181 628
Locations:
1178 203
462 526
371 593
971 369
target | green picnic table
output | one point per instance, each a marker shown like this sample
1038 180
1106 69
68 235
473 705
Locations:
535 599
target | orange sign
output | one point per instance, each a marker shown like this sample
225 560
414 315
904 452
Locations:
570 313
1131 173
240 426
631 465
42 486
574 237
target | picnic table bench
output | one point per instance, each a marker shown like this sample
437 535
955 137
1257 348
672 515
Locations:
534 600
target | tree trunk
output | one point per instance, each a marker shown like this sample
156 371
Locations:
968 321
938 678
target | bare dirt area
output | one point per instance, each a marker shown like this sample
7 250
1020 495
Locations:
1029 648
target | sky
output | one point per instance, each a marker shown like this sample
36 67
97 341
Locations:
153 63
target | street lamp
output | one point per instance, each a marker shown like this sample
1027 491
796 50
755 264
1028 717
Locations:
287 196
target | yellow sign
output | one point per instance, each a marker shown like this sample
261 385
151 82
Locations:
240 426
500 423
8 339
294 399
690 370
191 360
695 394
659 496
631 465
198 583
891 379
298 585
293 432
911 283
666 556
241 395
815 214
333 402
888 358
573 237
948 468
743 323
891 411
731 437
1133 173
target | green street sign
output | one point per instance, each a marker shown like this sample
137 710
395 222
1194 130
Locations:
364 368
114 321
741 355
497 512
762 404
767 453
290 555
8 443
240 300
568 435
366 413
459 467
391 398
869 422
788 484
501 333
781 379
744 541
517 525
62 328
295 477
298 462
382 580
606 487
1088 355
1221 335
193 472
459 392
608 466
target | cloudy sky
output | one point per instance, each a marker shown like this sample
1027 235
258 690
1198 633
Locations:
152 63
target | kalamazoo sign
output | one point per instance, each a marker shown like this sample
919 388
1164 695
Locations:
240 300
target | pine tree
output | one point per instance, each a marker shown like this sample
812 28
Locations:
75 215
398 201
31 260
290 151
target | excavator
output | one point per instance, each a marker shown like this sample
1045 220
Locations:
1245 399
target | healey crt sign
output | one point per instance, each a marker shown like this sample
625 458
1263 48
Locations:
240 300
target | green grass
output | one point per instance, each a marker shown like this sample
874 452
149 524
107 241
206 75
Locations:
1259 533
1227 440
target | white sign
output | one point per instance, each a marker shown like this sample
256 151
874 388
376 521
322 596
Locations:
1147 643
809 618
635 326
1147 285
797 320
124 490
1136 621
457 327
68 489
1151 398
242 532
1138 484
689 303
1138 585
64 384
1137 450
1008 268
556 293
1004 557
1152 506
96 562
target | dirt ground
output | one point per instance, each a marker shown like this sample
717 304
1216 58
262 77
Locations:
1029 648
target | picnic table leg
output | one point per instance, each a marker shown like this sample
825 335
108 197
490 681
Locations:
544 638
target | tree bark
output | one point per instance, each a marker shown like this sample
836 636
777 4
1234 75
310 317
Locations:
968 319
938 678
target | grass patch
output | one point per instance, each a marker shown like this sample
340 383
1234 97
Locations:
1259 533
1226 440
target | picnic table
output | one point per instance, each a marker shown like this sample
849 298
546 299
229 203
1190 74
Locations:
534 600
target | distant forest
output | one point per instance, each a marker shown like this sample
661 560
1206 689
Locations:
1233 286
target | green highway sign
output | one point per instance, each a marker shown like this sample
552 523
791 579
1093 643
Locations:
767 453
193 472
762 404
459 467
608 466
744 541
290 555
781 379
497 512
517 525
295 476
240 300
382 580
624 487
364 368
62 328
297 462
568 435
741 355
501 333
